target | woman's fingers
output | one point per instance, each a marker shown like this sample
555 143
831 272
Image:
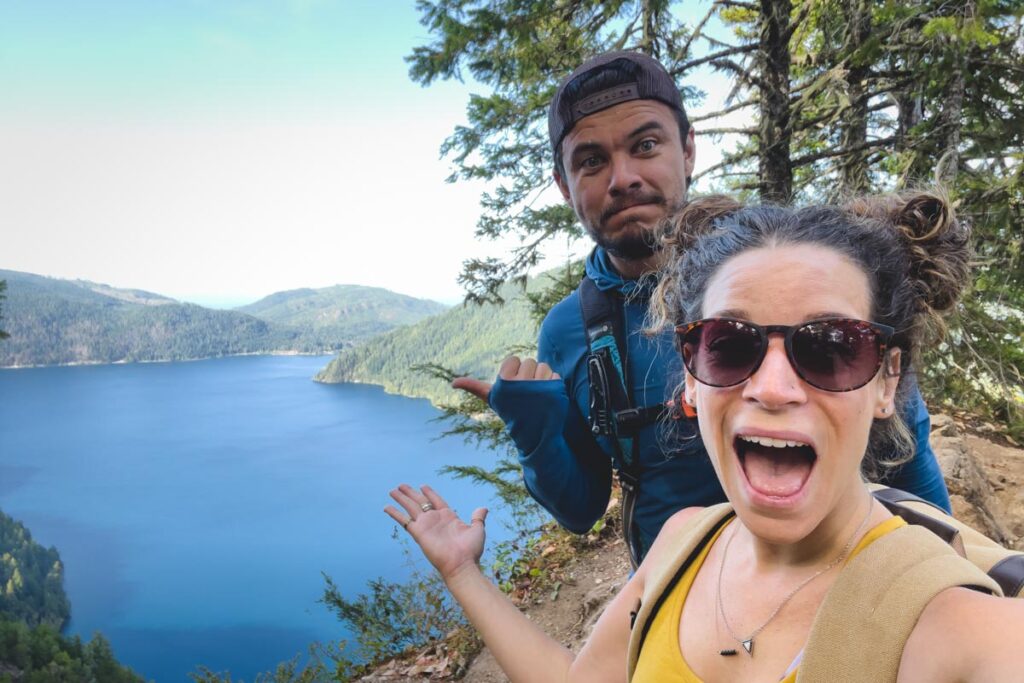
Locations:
400 519
434 498
479 515
402 497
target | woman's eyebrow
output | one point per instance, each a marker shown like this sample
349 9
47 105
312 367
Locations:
736 313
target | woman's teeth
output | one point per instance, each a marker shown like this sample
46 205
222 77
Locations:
773 443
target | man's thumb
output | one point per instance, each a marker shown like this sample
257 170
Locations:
477 387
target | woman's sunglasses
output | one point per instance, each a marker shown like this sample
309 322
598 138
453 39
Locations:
833 354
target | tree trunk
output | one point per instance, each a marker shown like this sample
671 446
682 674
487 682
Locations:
853 172
775 173
949 127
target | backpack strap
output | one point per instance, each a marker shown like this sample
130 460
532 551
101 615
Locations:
1004 566
879 595
611 411
867 616
685 543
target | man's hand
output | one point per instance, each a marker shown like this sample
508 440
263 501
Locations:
512 368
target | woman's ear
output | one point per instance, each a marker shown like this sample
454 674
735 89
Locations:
690 390
887 387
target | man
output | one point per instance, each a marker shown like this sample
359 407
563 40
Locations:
624 152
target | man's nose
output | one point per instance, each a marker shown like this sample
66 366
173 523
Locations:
625 177
775 384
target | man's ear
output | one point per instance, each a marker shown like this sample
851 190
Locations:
563 186
689 153
887 389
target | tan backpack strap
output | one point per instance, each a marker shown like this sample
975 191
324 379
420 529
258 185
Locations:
665 570
1005 566
860 629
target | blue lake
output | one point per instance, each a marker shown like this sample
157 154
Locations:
195 505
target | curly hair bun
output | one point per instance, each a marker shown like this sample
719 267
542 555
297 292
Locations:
937 244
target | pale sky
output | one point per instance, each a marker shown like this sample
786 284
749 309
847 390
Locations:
217 151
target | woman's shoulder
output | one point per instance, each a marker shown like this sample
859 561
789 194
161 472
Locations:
966 635
677 535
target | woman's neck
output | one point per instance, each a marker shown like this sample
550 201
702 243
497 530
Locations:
836 535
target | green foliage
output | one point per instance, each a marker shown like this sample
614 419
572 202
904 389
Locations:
59 321
394 617
42 655
31 579
325 663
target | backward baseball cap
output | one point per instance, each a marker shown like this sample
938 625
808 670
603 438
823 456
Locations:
643 78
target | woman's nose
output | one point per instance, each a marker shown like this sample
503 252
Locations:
775 383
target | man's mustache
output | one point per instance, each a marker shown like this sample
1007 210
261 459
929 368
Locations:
630 201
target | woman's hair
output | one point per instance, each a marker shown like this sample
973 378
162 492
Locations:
910 246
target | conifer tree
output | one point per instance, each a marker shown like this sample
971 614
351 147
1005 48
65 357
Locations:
844 97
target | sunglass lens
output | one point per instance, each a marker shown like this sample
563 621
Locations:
722 353
836 355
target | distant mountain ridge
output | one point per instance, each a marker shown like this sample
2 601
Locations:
345 311
468 339
56 322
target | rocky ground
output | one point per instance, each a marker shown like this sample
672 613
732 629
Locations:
984 471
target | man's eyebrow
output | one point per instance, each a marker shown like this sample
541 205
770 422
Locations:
647 127
585 147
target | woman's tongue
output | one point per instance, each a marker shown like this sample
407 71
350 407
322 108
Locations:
776 471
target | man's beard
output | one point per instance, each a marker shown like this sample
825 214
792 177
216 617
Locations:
630 245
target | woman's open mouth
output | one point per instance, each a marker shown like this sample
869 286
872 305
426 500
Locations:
777 469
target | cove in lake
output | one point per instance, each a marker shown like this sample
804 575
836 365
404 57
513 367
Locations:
195 505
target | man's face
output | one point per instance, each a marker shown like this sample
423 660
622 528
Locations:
625 170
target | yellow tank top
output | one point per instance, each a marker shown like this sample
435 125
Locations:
661 660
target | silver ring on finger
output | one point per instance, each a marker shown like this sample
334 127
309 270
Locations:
406 523
426 507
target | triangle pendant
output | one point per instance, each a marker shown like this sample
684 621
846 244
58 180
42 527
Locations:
748 645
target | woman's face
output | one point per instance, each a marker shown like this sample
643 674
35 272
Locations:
783 491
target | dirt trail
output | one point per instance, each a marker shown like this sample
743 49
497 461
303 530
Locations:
986 484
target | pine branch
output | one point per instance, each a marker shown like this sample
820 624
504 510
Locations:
696 32
737 3
726 131
741 73
723 112
741 49
831 153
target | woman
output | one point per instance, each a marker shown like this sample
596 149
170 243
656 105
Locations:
798 326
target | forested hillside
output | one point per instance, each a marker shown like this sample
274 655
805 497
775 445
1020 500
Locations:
469 339
54 322
33 609
31 579
350 312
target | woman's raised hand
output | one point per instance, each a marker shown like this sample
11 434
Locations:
450 544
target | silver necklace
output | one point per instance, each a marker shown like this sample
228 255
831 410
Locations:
748 642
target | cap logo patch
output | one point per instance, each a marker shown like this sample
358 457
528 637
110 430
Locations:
607 98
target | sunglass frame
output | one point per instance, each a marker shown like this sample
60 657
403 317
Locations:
883 333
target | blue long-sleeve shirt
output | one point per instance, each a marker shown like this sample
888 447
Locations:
569 471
